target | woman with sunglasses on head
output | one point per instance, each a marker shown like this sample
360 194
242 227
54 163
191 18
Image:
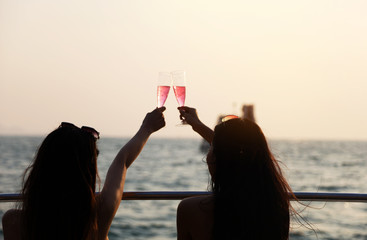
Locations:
59 200
250 197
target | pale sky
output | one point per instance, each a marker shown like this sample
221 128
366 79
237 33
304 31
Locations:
303 64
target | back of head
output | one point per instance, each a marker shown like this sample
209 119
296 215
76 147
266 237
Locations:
251 195
59 187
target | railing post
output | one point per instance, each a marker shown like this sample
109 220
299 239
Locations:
169 195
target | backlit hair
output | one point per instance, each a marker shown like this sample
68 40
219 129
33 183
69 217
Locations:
250 192
59 188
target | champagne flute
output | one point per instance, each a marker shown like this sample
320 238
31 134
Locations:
179 87
163 87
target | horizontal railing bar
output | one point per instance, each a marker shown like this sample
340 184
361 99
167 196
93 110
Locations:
167 195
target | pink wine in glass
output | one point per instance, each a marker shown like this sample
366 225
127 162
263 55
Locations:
162 93
180 92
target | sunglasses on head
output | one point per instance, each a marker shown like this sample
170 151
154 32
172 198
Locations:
229 117
90 130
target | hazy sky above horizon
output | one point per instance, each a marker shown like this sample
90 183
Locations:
303 64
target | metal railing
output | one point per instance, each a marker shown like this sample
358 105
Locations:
168 195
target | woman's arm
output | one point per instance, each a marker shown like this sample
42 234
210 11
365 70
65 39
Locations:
191 117
111 194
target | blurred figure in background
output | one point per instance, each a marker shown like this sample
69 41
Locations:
248 112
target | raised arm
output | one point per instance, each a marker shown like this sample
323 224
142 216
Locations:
191 117
111 194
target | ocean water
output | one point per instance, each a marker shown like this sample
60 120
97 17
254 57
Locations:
177 165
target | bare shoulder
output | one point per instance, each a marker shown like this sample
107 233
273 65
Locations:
11 224
195 218
195 201
196 205
11 216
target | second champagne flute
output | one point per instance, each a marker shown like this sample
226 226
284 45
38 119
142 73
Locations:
179 87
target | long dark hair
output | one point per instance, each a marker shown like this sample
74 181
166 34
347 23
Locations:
59 188
251 198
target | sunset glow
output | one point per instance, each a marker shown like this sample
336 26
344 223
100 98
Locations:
303 64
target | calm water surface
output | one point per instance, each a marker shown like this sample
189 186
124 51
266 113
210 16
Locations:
177 165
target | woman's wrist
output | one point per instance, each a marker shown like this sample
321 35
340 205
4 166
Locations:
145 130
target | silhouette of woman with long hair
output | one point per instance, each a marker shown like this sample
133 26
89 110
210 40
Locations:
250 197
58 196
